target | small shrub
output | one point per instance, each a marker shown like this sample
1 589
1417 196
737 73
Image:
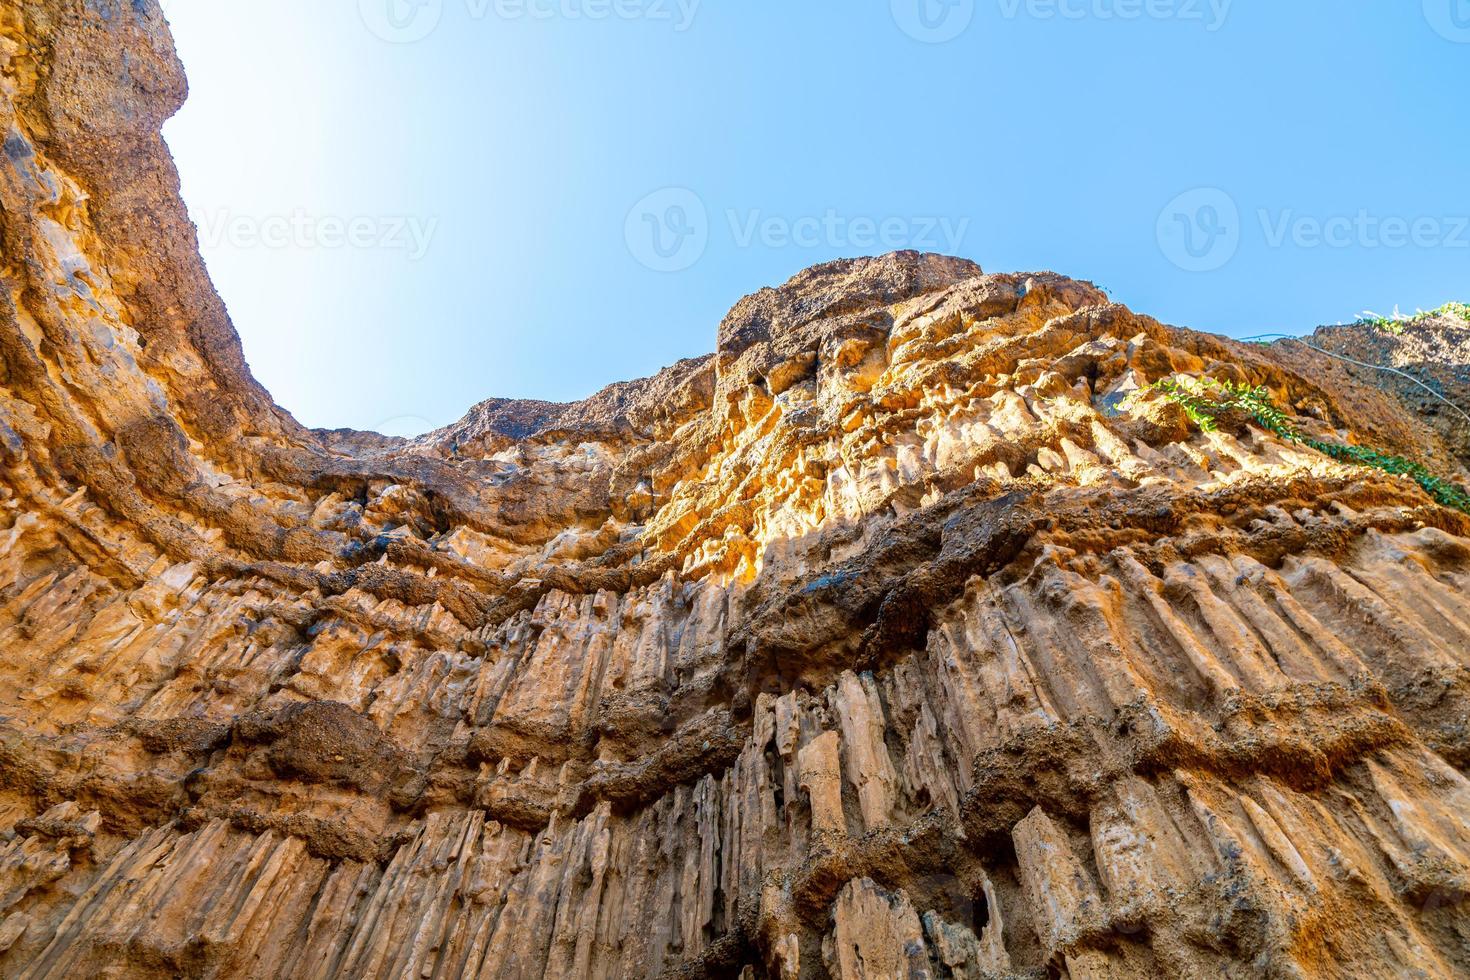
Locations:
1206 399
1396 322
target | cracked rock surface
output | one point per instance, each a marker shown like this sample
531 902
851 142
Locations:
891 640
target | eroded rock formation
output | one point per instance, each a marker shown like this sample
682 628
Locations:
891 640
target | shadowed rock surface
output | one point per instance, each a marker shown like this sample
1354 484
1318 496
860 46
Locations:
890 640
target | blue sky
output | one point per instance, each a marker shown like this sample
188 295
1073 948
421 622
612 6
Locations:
412 205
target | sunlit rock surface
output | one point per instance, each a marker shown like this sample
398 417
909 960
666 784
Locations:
890 640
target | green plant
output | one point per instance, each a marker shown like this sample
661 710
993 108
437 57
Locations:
1188 395
1204 400
1396 322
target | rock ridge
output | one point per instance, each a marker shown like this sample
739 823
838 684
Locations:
910 633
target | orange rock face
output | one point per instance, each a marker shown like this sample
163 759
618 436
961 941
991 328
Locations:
893 639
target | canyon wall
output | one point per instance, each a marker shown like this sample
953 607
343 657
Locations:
906 635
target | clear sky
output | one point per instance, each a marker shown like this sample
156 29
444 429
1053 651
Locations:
412 205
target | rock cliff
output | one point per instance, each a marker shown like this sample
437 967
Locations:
910 634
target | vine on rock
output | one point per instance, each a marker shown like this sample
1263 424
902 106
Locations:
1205 400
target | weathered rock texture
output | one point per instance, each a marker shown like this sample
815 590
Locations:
888 641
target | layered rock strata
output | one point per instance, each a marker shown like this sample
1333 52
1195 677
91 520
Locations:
897 638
